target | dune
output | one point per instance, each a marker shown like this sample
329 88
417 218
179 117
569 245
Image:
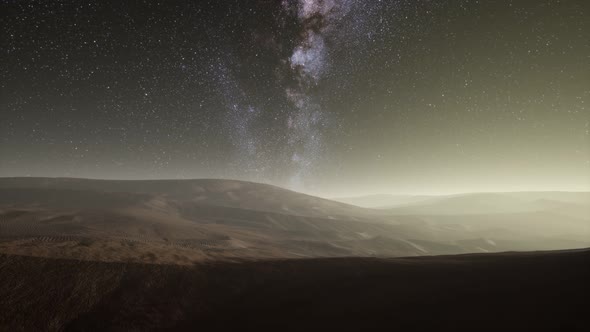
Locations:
383 201
79 254
189 221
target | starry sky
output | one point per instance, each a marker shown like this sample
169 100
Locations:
329 97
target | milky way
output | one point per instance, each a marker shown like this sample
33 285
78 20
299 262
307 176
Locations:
303 70
309 62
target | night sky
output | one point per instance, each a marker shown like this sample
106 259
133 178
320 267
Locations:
332 97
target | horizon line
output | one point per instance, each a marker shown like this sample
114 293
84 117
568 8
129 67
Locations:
307 193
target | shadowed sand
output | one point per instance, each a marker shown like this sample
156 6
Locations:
485 292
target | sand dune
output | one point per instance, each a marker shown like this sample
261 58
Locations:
86 255
188 221
383 201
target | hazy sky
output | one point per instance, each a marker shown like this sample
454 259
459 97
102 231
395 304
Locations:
334 97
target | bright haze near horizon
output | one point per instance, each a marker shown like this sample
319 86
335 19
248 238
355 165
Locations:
334 97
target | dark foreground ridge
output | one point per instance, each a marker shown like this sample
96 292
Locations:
500 292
